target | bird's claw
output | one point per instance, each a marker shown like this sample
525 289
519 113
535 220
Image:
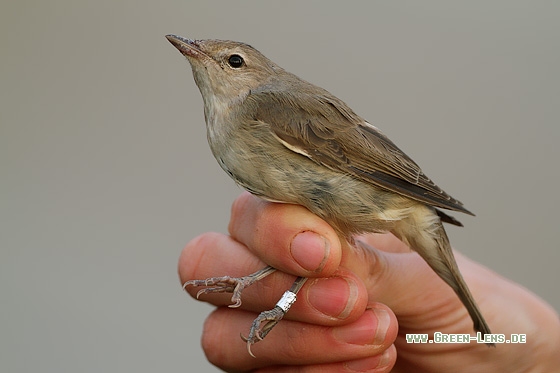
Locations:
224 284
268 320
228 284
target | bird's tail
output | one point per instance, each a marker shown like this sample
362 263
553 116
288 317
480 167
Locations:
429 239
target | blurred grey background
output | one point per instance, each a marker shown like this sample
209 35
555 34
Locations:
105 173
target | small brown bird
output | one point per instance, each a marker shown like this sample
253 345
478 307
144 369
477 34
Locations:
286 140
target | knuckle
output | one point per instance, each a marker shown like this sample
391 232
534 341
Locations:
211 340
216 342
238 209
194 251
197 245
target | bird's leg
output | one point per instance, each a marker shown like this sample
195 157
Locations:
227 284
271 317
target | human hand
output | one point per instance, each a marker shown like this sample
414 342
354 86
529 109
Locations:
344 318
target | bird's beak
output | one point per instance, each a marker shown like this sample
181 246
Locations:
189 48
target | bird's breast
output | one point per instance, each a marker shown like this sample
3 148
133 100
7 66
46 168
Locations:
261 164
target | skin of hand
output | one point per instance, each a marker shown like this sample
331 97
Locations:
346 316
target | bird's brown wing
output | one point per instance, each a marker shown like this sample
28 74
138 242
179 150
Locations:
327 131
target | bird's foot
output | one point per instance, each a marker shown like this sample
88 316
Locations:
227 284
262 325
267 320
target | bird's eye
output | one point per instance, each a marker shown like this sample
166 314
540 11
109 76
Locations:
235 61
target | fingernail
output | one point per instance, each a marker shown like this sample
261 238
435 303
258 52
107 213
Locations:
370 329
369 363
363 365
334 297
310 250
